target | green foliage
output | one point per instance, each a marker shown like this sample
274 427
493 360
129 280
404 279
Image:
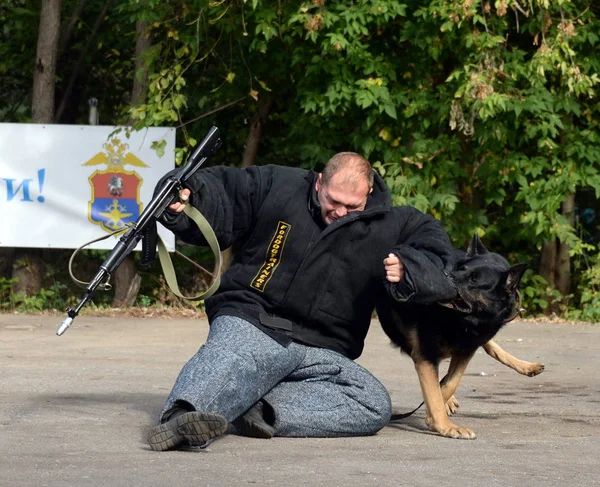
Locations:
588 308
18 26
481 113
537 295
6 297
45 299
54 297
144 300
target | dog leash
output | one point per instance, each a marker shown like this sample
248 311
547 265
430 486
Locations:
406 415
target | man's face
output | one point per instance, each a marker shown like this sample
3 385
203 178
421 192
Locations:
338 197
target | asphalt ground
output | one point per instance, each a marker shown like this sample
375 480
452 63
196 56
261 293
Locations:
75 411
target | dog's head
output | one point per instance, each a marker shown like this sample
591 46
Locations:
487 285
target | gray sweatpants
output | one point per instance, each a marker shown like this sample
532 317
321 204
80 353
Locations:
312 391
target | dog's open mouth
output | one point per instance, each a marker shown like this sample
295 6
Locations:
458 304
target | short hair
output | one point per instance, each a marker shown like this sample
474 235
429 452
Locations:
358 166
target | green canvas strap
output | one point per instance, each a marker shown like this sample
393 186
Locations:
167 264
165 258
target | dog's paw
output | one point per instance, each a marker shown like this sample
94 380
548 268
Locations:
530 369
457 432
451 406
449 429
534 369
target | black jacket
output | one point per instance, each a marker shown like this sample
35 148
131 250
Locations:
288 264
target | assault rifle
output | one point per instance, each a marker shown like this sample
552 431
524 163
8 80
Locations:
145 226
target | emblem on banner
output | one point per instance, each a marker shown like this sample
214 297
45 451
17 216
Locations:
115 191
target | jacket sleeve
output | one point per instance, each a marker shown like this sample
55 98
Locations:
227 197
425 249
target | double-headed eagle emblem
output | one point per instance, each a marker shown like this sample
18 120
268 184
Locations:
115 191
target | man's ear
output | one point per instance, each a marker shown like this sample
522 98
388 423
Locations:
319 182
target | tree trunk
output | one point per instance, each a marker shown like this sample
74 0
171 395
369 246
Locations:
29 269
555 263
256 129
126 279
547 269
127 283
548 261
140 80
65 38
265 104
563 266
28 266
44 76
65 98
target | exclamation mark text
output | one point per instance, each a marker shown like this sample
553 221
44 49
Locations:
41 177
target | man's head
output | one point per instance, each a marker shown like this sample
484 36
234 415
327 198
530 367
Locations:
344 185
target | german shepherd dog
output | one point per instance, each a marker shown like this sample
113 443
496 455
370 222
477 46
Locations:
487 299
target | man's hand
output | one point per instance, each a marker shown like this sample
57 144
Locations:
178 206
394 268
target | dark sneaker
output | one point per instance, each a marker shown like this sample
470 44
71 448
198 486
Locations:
253 424
194 428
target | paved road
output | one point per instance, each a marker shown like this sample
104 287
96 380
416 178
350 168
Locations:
75 411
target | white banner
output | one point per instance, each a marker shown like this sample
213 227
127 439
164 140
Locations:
64 185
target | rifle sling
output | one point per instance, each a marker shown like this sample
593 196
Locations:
165 258
211 239
105 286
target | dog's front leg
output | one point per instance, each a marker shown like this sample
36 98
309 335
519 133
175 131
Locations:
437 419
529 369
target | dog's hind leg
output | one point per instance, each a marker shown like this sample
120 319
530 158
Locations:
449 384
452 405
437 419
529 369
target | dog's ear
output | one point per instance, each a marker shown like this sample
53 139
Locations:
476 247
513 277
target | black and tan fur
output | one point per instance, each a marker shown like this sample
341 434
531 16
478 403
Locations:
487 299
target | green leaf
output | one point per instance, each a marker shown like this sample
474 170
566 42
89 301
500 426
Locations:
368 146
159 146
390 110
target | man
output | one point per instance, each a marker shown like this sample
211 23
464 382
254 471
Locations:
310 253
